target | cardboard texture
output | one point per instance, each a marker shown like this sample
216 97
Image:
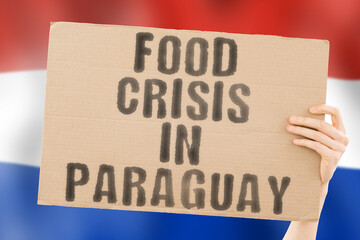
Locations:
180 121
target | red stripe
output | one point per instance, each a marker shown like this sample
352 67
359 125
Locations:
24 25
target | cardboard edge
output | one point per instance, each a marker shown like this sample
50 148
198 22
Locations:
52 25
183 29
308 218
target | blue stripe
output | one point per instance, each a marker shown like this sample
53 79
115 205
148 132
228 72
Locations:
22 218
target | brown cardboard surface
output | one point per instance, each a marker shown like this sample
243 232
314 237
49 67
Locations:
83 123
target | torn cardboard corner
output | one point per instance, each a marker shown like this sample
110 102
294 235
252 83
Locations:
180 121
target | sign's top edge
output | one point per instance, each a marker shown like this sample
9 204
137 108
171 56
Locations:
52 24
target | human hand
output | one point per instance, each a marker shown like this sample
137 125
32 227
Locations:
328 140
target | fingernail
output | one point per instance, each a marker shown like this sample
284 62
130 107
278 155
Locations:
290 127
295 140
312 109
292 119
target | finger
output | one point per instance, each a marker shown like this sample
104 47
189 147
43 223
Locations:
317 136
333 111
316 146
321 126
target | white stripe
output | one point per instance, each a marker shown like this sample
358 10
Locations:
22 96
345 95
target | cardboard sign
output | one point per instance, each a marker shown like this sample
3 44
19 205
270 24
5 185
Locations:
180 121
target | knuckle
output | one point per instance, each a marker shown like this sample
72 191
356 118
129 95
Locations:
318 124
317 135
307 121
317 145
340 148
322 125
336 111
343 149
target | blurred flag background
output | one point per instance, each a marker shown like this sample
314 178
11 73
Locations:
24 28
